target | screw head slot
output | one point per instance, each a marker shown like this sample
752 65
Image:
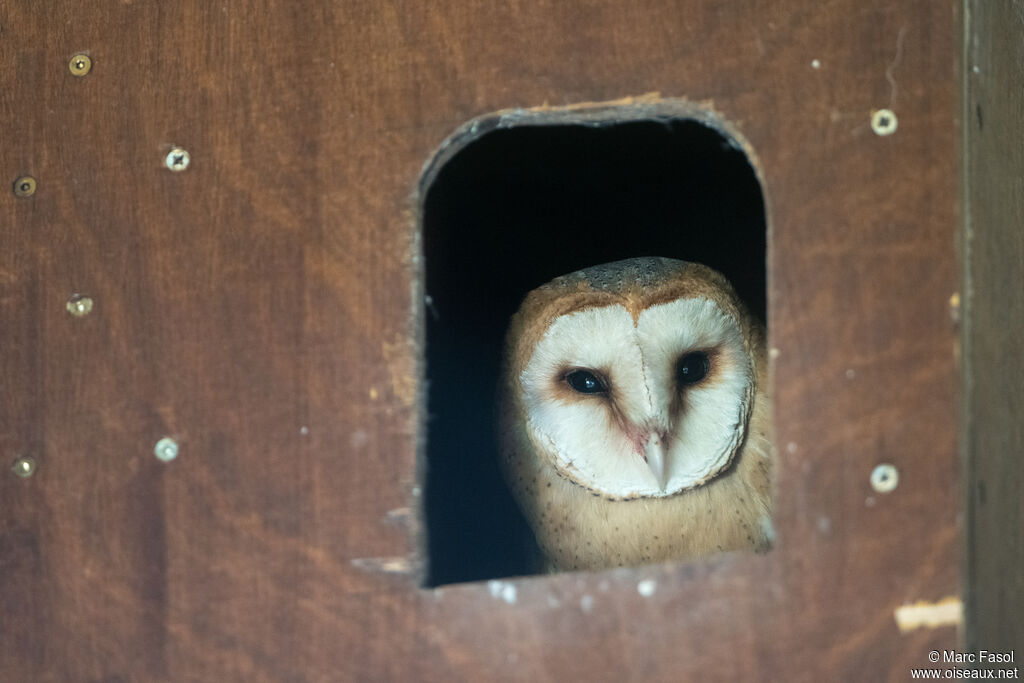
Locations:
885 478
25 186
80 65
166 449
80 305
884 122
177 159
24 467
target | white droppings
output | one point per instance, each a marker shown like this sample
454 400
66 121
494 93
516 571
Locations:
824 524
815 64
646 587
586 603
505 591
975 69
791 447
767 528
851 373
304 430
773 353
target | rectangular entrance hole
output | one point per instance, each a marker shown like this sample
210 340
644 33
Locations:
507 210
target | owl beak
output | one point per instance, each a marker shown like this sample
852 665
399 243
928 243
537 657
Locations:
654 454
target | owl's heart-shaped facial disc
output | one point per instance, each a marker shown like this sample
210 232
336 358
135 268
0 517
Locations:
646 404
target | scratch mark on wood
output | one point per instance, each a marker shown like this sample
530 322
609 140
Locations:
892 67
399 516
384 565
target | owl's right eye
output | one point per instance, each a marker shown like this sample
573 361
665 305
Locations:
586 382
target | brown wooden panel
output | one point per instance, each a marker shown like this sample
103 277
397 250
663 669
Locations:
258 307
993 257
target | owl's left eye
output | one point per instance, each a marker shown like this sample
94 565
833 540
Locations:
692 368
586 382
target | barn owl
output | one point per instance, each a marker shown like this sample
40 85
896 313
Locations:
634 416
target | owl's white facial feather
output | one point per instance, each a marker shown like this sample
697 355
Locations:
648 435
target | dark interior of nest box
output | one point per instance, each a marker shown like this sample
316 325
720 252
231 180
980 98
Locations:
514 208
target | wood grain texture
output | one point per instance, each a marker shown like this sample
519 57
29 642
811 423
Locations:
993 256
260 308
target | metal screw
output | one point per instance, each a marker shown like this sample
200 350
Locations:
177 159
24 467
80 65
885 478
79 305
25 186
166 449
883 122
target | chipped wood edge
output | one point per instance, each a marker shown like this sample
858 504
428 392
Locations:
923 614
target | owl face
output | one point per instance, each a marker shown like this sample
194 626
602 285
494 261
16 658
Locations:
631 398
